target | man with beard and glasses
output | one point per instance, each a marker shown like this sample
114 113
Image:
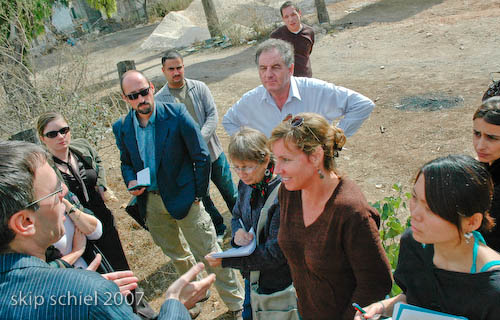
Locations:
164 138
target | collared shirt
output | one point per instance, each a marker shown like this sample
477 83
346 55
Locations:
257 108
146 144
32 289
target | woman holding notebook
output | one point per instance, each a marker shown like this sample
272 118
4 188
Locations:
444 263
257 204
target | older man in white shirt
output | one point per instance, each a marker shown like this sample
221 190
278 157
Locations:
280 94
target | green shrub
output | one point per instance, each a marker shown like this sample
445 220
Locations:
391 210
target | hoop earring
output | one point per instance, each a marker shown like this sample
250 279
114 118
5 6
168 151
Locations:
321 175
468 236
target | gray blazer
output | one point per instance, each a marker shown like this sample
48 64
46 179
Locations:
206 112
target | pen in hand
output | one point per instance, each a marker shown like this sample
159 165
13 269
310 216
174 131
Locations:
242 225
358 308
363 312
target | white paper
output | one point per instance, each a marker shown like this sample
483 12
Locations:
239 252
403 311
143 179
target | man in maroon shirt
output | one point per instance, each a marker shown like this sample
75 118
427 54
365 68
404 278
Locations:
299 35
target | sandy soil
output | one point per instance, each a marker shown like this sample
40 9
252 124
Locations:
389 50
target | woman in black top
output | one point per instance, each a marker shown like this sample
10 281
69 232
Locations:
79 166
444 263
486 140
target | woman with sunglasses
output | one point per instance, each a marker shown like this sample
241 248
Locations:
79 166
444 263
328 232
486 140
253 162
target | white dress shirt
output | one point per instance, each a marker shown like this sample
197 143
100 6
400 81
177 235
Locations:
257 109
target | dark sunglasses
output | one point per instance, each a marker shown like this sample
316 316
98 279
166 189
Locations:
143 92
53 134
298 122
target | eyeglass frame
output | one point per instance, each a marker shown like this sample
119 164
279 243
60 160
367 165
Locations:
54 133
135 95
59 189
246 170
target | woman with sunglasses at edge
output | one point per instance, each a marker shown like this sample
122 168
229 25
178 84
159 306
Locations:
253 162
444 263
79 166
328 232
486 141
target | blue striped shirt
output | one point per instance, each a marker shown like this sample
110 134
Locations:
31 289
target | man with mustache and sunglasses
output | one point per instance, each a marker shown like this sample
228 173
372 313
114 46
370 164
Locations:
281 93
200 104
164 138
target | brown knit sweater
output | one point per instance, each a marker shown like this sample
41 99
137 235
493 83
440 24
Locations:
302 45
338 259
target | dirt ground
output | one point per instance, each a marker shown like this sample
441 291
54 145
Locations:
392 51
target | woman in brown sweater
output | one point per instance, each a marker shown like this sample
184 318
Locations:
328 232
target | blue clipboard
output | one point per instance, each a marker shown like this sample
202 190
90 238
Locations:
404 311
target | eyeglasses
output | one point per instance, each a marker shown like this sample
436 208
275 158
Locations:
53 134
298 122
143 92
244 169
59 188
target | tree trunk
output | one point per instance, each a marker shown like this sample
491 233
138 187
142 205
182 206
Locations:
124 66
145 8
212 20
322 12
133 12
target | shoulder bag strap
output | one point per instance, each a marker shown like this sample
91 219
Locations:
254 275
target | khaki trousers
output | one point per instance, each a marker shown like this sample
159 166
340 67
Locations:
193 235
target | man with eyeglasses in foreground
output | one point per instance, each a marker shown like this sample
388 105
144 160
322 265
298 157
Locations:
164 138
280 94
31 219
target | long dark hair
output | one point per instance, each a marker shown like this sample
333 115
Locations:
458 186
489 111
